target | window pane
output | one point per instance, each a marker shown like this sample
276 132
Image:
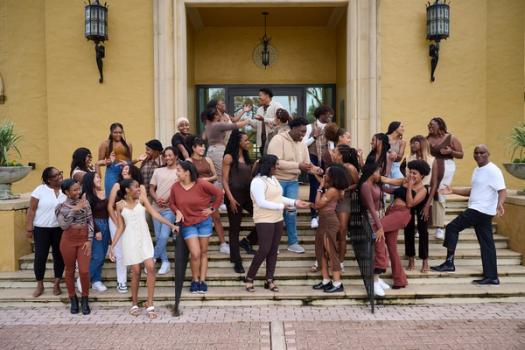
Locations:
316 96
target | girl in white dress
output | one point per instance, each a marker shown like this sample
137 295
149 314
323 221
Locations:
137 247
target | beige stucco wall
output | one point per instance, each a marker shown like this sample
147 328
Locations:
479 79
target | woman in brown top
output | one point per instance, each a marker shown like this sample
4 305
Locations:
207 172
444 147
236 180
76 219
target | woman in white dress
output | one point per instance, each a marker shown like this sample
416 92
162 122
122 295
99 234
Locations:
137 247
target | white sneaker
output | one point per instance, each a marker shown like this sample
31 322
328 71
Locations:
99 286
314 223
122 288
296 248
342 267
223 208
416 235
383 284
224 248
378 291
79 285
440 233
164 268
145 270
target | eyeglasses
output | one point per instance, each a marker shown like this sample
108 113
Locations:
60 173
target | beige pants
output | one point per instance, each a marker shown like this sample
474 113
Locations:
438 207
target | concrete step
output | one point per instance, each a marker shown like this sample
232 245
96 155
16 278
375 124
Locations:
225 276
302 295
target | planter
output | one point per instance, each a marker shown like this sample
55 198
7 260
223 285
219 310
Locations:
9 175
516 170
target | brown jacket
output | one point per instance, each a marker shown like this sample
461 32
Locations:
290 154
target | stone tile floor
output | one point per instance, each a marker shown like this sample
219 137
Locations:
468 326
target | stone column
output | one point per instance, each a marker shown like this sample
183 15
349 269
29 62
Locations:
362 88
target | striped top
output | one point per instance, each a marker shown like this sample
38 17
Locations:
68 217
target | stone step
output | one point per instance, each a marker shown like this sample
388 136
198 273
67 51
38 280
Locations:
216 259
303 294
218 276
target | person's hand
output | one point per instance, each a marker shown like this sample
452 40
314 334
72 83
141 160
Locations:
322 183
500 211
178 216
112 157
207 212
98 236
304 166
174 228
300 204
161 202
234 205
247 108
143 157
392 155
29 233
122 163
446 151
445 190
86 248
410 183
359 153
259 117
82 203
315 170
110 254
426 212
380 234
316 133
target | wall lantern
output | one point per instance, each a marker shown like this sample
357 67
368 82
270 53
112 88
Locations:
96 29
265 55
438 26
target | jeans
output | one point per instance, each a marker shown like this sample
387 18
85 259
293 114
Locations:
290 190
162 233
482 224
111 177
99 249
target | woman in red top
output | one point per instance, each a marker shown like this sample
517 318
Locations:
190 200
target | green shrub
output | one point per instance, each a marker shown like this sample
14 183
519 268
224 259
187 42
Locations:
8 141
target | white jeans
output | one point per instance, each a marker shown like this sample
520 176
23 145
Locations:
438 209
122 270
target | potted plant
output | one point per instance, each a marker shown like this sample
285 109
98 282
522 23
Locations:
10 170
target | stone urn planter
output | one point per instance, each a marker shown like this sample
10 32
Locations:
516 170
9 175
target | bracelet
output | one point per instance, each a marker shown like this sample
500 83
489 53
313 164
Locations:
320 190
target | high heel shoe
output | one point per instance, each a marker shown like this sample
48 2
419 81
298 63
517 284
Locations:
269 283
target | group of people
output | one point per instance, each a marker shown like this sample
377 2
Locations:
179 190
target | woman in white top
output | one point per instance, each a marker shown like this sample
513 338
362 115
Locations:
137 247
43 227
268 205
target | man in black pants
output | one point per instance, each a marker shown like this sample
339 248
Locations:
487 196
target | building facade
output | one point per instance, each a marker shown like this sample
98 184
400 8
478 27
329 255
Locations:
165 58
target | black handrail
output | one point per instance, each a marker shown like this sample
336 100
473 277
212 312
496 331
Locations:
362 238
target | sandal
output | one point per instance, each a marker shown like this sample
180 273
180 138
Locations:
315 267
150 311
250 288
271 286
134 311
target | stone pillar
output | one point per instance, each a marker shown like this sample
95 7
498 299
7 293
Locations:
362 71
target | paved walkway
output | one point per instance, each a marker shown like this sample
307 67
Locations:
470 326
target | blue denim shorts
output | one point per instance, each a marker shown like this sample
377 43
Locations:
202 230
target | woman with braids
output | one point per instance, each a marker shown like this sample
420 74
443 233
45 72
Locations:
379 153
43 227
419 149
92 188
397 148
236 180
268 205
206 171
116 152
190 200
408 195
137 247
82 163
128 172
75 218
444 147
330 192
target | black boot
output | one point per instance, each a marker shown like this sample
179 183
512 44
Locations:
85 306
238 268
74 305
447 266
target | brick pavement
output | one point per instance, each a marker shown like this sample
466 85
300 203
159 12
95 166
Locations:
479 326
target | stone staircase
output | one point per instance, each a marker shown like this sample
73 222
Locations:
295 279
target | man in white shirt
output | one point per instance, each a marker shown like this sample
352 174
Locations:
486 198
265 116
317 145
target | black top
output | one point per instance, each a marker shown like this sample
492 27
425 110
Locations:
401 193
179 139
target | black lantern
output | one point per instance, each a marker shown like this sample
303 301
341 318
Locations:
265 53
96 29
438 27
